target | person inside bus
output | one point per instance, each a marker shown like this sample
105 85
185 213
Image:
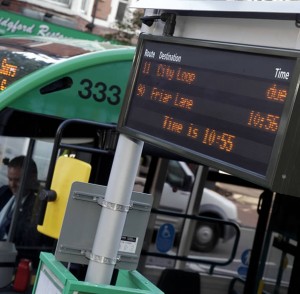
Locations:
27 218
6 191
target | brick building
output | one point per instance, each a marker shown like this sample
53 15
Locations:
99 17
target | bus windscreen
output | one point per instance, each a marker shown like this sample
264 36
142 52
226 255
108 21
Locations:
21 56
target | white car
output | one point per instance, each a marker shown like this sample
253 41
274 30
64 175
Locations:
175 197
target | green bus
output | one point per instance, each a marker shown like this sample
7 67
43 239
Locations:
55 79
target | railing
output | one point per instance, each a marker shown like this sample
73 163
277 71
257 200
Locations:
199 260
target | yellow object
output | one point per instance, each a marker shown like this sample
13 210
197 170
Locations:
67 171
261 286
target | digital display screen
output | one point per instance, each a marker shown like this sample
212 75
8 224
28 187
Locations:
15 65
7 72
218 104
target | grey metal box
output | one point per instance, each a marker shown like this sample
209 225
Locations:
81 220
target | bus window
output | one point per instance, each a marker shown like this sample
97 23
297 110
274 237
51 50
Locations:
21 56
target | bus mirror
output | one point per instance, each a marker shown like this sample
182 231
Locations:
47 195
67 170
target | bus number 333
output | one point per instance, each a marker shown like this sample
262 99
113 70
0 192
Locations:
100 92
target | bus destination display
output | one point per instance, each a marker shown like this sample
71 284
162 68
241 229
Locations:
213 104
7 71
15 65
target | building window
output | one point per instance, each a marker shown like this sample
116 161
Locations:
84 5
121 10
62 2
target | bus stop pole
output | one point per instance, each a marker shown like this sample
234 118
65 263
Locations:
193 209
264 207
115 205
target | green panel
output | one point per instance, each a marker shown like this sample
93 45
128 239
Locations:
90 86
11 23
88 288
128 282
134 279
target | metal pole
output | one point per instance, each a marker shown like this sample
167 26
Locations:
252 280
24 180
294 286
193 209
114 211
156 186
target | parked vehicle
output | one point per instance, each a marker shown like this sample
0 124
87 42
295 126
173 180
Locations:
175 197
